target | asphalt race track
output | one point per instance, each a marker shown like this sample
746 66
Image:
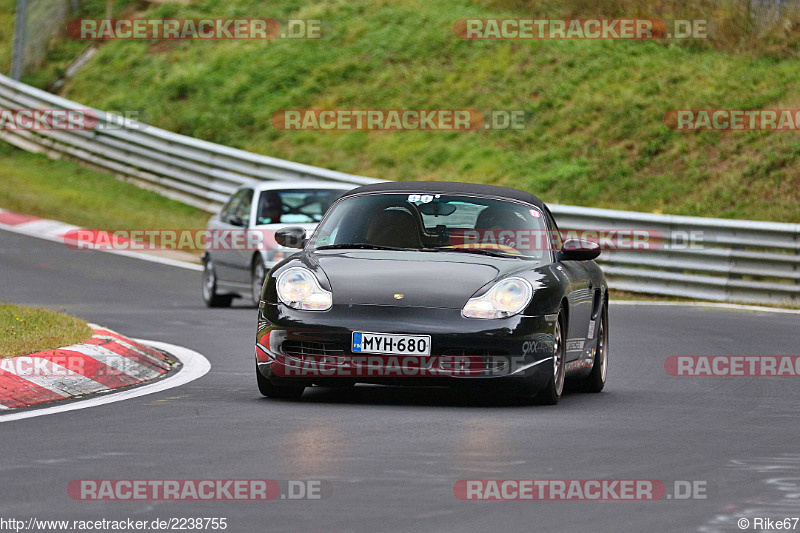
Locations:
392 455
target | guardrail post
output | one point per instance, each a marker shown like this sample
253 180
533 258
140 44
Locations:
797 253
18 54
732 262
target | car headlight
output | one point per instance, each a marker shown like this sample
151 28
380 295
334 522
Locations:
508 297
299 288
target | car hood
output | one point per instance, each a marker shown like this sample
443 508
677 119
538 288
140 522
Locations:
424 279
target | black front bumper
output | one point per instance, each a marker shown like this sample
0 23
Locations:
305 347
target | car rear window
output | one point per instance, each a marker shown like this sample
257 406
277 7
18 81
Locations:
295 206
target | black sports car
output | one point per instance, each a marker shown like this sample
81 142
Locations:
434 283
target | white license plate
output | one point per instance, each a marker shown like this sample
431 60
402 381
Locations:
388 343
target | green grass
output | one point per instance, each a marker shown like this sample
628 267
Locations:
25 330
597 136
64 51
6 34
63 190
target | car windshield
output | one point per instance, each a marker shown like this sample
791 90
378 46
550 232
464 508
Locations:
434 223
295 206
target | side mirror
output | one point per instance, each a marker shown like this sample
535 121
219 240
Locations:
236 220
578 250
291 237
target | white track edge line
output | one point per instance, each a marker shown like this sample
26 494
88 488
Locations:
125 253
195 366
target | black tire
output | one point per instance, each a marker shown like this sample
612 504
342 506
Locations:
551 394
596 381
210 296
280 393
258 273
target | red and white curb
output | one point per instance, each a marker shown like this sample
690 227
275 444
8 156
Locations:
194 367
53 230
105 362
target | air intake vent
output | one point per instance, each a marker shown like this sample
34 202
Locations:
297 348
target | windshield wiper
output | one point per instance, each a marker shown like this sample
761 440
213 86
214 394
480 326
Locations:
493 253
360 246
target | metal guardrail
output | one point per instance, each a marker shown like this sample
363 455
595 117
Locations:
723 260
705 258
192 171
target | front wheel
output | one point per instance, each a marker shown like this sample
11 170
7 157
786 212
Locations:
210 296
555 387
596 381
269 390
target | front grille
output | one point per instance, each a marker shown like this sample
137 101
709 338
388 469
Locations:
297 348
494 361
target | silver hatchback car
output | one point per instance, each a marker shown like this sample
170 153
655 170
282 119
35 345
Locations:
238 271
